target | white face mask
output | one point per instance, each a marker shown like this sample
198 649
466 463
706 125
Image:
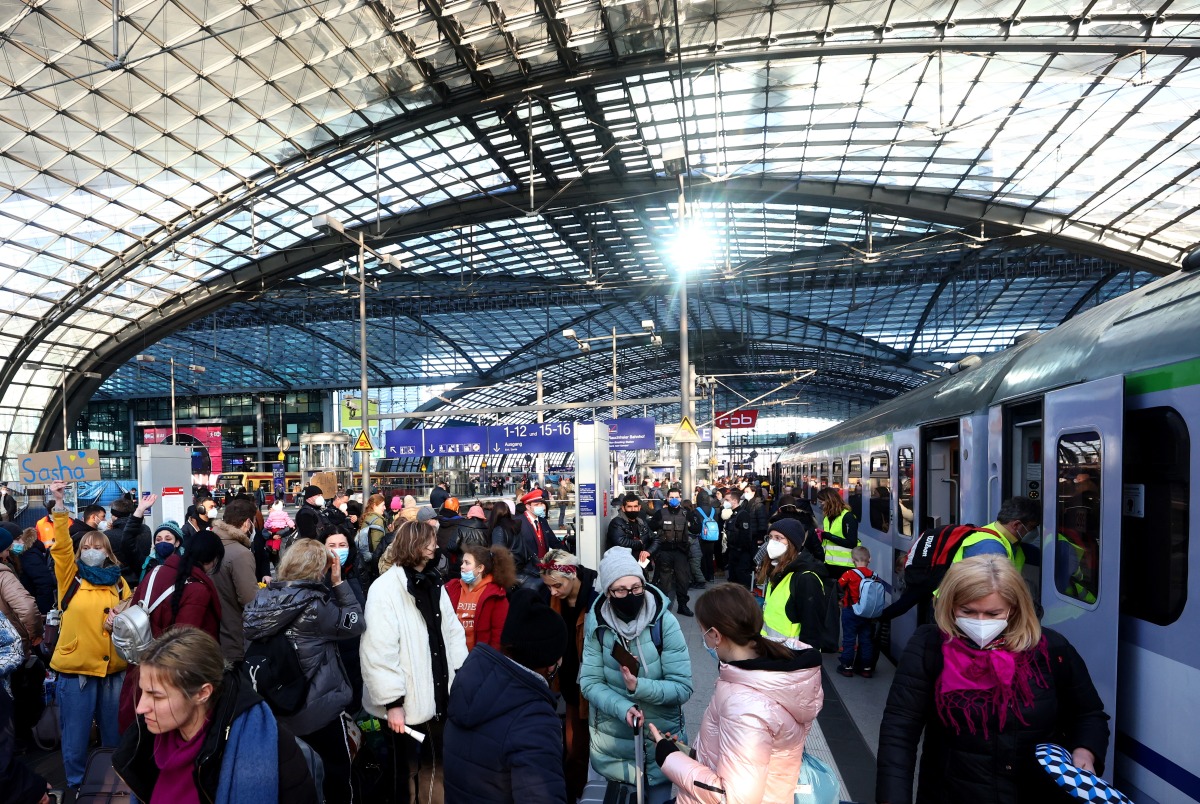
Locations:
93 557
776 549
981 632
344 507
748 494
318 501
103 525
727 505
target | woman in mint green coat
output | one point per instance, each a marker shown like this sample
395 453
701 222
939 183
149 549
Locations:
633 613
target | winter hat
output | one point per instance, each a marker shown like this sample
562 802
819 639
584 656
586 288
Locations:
277 506
450 505
172 526
617 562
792 529
533 496
476 512
394 503
425 513
534 634
313 491
7 537
410 501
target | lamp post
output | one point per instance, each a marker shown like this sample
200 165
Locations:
675 163
190 367
585 346
330 225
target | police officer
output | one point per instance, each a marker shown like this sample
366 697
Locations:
745 531
670 523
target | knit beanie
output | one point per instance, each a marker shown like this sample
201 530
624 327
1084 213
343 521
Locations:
7 537
534 634
425 513
395 503
172 526
476 512
792 529
617 562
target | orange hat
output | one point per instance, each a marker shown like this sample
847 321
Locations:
451 504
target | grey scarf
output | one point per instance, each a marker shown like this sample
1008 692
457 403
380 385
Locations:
629 630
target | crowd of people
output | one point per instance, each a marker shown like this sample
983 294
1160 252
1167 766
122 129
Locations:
387 651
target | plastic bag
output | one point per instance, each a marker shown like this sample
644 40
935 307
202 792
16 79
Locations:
818 783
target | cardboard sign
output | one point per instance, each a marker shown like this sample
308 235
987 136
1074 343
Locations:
66 465
326 482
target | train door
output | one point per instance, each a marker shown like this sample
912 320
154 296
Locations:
1081 545
939 503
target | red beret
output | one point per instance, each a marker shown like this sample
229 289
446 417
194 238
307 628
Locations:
533 496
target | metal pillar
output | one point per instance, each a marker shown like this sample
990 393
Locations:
541 417
687 471
362 362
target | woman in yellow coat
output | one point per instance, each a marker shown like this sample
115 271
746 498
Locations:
89 670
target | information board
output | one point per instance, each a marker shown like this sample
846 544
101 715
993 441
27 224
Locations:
455 440
587 499
630 434
404 443
521 439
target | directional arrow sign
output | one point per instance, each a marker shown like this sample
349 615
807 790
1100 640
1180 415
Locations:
404 443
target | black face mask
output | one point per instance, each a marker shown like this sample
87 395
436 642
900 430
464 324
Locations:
633 515
628 607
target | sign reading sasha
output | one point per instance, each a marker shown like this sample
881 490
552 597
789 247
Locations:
66 465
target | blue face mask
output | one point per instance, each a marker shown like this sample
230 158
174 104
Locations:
711 650
673 502
342 553
18 548
163 550
468 578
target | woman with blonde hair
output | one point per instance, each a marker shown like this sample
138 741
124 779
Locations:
409 657
838 538
202 732
89 670
480 594
986 684
315 617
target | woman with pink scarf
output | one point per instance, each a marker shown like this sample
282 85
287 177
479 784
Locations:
986 685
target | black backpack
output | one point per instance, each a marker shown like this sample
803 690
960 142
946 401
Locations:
931 553
273 668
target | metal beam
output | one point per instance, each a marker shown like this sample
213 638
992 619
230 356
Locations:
440 412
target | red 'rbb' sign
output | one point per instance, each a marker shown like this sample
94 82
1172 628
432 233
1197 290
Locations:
738 420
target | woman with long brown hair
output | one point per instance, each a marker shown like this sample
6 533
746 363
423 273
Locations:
480 593
839 537
751 740
792 588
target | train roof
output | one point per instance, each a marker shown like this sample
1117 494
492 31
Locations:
1155 325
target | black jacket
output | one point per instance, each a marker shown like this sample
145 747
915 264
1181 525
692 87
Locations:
311 522
672 527
20 784
38 577
134 757
438 496
998 769
132 540
747 528
503 738
635 535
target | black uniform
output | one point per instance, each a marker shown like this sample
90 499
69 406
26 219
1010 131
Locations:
673 556
744 532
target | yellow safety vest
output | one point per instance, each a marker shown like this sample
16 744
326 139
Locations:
776 624
1017 557
1076 586
834 553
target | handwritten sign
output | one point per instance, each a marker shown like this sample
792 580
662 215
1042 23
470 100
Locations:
66 465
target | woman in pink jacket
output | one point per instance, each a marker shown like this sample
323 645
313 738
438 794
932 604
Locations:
751 740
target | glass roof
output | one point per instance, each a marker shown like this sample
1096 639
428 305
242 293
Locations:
161 164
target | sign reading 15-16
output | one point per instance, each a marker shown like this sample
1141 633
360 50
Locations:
512 439
66 465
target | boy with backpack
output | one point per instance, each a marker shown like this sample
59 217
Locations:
862 601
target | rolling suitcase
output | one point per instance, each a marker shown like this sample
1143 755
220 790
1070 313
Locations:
606 791
101 785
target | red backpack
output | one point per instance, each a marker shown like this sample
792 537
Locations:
932 551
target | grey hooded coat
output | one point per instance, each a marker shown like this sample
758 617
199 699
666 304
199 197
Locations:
315 618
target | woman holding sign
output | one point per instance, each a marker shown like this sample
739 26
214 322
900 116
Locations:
89 670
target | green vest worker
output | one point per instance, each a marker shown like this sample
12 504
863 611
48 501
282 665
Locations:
794 594
841 532
1016 519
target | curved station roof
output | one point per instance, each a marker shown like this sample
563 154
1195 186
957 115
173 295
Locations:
873 190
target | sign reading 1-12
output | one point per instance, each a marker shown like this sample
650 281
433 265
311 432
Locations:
534 430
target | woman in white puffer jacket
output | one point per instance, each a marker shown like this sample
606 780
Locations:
751 740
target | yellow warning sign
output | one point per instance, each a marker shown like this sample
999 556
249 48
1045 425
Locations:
363 444
686 433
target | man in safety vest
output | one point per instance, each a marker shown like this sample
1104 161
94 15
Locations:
1016 519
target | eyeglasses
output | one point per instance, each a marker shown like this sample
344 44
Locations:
621 591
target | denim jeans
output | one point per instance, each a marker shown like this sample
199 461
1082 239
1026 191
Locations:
857 629
97 699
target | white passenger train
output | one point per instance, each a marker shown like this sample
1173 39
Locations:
1093 418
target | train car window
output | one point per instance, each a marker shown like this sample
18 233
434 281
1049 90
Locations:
1154 515
854 486
1077 535
837 474
904 469
880 509
823 474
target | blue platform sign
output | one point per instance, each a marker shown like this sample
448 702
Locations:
631 434
455 440
278 479
404 443
522 439
587 499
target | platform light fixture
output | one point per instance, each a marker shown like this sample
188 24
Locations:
585 346
190 367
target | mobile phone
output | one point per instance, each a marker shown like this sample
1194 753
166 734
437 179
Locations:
625 658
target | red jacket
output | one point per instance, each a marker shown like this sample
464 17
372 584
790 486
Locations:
491 613
199 607
848 585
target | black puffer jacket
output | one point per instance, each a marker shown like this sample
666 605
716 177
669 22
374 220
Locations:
635 535
967 767
503 738
317 619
